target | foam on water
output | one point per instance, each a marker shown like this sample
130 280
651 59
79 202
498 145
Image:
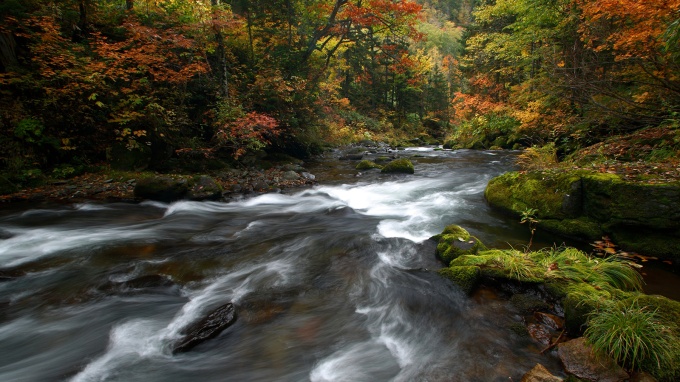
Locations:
31 244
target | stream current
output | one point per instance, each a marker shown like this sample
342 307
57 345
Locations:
332 283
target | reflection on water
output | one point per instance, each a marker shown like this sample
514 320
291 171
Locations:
332 283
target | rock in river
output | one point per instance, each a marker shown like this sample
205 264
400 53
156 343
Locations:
579 359
218 320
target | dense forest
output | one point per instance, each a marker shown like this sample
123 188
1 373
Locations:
83 81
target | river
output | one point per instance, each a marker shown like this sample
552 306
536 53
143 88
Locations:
331 283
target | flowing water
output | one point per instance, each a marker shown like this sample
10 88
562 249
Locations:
332 283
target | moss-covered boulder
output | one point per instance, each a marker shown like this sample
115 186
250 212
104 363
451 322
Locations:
587 205
455 241
367 165
466 277
401 165
204 187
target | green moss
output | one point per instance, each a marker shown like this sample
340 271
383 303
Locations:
466 277
558 289
455 241
547 192
587 205
580 228
401 165
458 248
582 300
367 165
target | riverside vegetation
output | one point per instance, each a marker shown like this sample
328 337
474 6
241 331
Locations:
600 297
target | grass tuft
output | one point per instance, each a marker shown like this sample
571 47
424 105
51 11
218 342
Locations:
633 336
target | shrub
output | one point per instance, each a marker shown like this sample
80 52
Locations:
538 158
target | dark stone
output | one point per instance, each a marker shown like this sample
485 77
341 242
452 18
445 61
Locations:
291 175
579 359
540 374
260 185
147 281
218 320
161 188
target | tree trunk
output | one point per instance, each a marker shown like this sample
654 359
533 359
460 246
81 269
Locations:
220 60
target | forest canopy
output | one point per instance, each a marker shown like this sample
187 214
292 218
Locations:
82 80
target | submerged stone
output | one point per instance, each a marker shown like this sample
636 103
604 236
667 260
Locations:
540 374
218 320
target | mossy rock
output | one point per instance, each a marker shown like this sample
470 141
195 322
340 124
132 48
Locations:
367 165
579 228
586 205
609 198
203 187
455 241
401 165
555 195
466 277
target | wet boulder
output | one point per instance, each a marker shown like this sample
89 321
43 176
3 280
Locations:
580 360
209 327
401 165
